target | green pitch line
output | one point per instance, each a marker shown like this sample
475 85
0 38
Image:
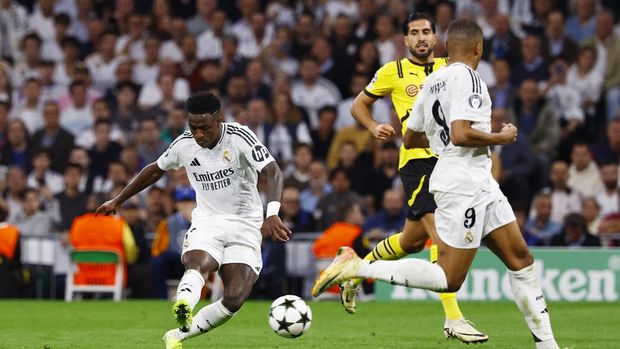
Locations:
141 324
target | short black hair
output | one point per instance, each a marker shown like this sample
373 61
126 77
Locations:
464 28
202 103
73 165
337 171
416 16
70 41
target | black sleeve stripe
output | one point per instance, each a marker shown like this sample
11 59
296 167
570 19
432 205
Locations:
473 83
241 133
371 95
399 68
478 82
247 133
233 132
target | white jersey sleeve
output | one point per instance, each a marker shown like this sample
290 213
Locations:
466 96
253 150
170 159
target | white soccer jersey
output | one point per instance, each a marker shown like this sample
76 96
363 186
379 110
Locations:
224 177
454 92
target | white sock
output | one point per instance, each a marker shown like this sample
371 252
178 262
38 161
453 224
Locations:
207 319
529 298
190 287
410 272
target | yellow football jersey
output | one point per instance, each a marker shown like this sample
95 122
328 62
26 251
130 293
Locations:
402 80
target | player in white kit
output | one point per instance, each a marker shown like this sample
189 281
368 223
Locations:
456 122
222 162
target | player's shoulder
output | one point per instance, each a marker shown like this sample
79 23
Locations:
440 62
391 68
184 138
239 133
463 75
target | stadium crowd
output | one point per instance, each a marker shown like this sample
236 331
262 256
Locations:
92 90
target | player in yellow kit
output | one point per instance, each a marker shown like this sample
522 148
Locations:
402 80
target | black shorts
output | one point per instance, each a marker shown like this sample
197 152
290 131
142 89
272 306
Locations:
415 176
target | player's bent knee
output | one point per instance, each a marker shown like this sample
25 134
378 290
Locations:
415 246
233 302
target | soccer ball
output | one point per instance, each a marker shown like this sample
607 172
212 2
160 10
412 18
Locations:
290 316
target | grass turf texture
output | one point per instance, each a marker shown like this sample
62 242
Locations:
141 324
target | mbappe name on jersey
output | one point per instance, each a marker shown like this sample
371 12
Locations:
214 180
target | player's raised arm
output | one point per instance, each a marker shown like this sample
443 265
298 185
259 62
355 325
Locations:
273 226
147 176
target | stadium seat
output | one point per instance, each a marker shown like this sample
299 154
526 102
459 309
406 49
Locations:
95 258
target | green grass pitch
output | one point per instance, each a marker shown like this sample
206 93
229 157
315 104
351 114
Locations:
140 324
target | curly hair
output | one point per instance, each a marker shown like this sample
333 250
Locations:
202 103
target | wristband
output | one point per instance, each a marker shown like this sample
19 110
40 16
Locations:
273 208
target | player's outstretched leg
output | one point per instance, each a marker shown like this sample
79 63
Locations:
410 272
508 244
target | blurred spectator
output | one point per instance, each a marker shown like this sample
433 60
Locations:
607 149
29 108
257 115
590 211
190 67
256 36
64 71
323 136
517 163
277 55
255 75
580 26
157 208
444 14
298 175
18 150
51 49
101 111
11 276
116 176
50 90
150 146
146 70
574 233
566 102
15 18
303 35
366 62
344 46
70 202
175 125
536 119
15 185
318 187
391 217
34 219
608 199
130 160
232 62
168 243
503 44
556 42
298 220
312 92
533 65
201 21
104 150
355 164
587 81
583 173
103 63
80 156
4 122
287 129
171 48
503 94
125 111
564 199
138 273
41 177
6 88
327 207
541 227
281 13
380 109
77 117
52 137
357 135
131 44
384 27
383 176
27 67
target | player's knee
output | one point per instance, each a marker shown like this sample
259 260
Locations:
414 247
454 283
233 302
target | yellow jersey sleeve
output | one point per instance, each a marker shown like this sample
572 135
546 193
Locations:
383 82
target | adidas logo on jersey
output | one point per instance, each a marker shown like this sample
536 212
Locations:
195 162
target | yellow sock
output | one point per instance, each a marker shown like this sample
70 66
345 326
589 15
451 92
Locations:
448 300
387 249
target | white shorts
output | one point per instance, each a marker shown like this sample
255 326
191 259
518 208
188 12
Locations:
227 241
462 221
